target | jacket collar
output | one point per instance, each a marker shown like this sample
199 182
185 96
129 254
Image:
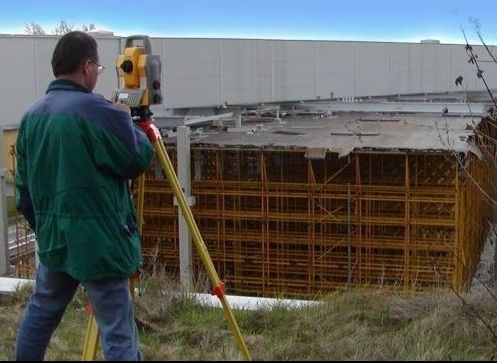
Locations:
66 85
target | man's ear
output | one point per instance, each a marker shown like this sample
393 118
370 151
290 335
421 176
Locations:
85 67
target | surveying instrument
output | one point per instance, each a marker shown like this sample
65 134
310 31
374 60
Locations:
138 71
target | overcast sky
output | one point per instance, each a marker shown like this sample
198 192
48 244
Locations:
374 20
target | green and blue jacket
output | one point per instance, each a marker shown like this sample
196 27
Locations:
75 155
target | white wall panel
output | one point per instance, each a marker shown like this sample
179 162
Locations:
435 66
336 69
192 71
18 85
108 49
415 66
246 71
43 69
373 69
293 70
400 68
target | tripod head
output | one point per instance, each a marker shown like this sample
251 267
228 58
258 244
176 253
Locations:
138 71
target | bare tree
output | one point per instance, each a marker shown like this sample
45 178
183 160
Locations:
34 29
89 27
63 28
485 138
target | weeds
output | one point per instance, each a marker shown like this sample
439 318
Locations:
351 325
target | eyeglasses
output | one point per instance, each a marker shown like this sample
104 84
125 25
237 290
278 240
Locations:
100 68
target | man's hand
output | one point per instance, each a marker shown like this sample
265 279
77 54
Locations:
123 107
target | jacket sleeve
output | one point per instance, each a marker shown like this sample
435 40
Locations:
115 143
23 197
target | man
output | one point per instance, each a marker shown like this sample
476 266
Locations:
75 153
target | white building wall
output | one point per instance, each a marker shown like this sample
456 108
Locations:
401 73
18 75
191 70
245 63
336 71
209 72
293 70
26 72
373 69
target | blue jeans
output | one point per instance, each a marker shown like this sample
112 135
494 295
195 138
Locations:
112 305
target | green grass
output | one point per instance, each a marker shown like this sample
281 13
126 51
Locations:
350 325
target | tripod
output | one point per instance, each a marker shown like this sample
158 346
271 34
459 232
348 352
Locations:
92 331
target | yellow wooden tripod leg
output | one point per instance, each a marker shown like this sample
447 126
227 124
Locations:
218 290
91 340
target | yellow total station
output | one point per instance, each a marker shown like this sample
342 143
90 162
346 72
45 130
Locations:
138 71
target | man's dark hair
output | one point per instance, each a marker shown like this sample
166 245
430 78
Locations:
71 51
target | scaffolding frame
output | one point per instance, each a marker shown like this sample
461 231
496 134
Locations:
278 224
24 259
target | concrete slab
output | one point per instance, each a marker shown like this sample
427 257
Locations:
344 133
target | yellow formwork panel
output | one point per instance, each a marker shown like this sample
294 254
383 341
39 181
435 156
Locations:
9 136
